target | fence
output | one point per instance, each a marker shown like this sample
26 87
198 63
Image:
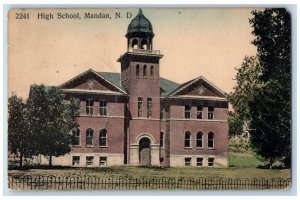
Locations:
77 182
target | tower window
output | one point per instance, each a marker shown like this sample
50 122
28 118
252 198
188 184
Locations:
137 71
89 106
140 106
151 71
149 107
187 112
187 139
145 71
161 139
199 111
210 112
103 108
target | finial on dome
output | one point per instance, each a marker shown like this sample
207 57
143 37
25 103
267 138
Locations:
140 11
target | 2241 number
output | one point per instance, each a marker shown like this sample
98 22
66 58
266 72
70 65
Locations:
22 15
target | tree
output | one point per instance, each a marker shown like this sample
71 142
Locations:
270 127
235 124
51 119
20 142
262 96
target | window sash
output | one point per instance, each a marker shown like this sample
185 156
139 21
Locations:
89 160
187 112
199 141
102 141
199 161
187 161
140 105
149 107
89 107
103 108
211 162
187 140
103 161
75 160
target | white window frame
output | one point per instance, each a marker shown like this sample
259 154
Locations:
187 161
77 162
103 108
103 137
103 163
89 108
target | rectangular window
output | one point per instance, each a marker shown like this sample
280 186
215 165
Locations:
140 106
89 160
187 161
161 160
210 112
75 160
199 111
149 107
211 162
103 161
187 112
103 108
199 161
89 107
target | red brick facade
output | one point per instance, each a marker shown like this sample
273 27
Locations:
140 106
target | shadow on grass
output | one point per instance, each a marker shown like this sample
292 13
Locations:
28 167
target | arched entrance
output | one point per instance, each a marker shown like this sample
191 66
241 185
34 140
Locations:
145 151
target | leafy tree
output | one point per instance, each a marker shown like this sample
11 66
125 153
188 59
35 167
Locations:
270 107
235 124
20 142
262 97
51 119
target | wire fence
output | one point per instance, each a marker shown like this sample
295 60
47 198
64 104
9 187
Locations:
77 182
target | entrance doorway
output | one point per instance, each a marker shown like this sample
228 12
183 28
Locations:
145 151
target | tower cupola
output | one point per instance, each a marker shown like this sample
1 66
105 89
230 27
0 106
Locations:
140 33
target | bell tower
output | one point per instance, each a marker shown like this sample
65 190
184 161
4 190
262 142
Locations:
140 78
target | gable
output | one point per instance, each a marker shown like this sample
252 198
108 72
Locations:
199 87
90 80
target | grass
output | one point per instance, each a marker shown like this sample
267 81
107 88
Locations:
242 164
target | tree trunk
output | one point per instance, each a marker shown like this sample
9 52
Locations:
21 161
50 160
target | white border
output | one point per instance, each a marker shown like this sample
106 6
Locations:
149 3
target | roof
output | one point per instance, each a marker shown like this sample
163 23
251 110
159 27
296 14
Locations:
166 86
140 25
200 78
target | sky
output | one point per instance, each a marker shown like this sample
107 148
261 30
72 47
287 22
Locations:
194 41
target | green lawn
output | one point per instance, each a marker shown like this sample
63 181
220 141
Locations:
241 165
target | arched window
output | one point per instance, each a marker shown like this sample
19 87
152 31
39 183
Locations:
89 136
162 135
137 71
199 140
103 138
145 71
134 44
76 136
151 71
187 139
210 140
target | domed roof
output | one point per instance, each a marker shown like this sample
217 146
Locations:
140 26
